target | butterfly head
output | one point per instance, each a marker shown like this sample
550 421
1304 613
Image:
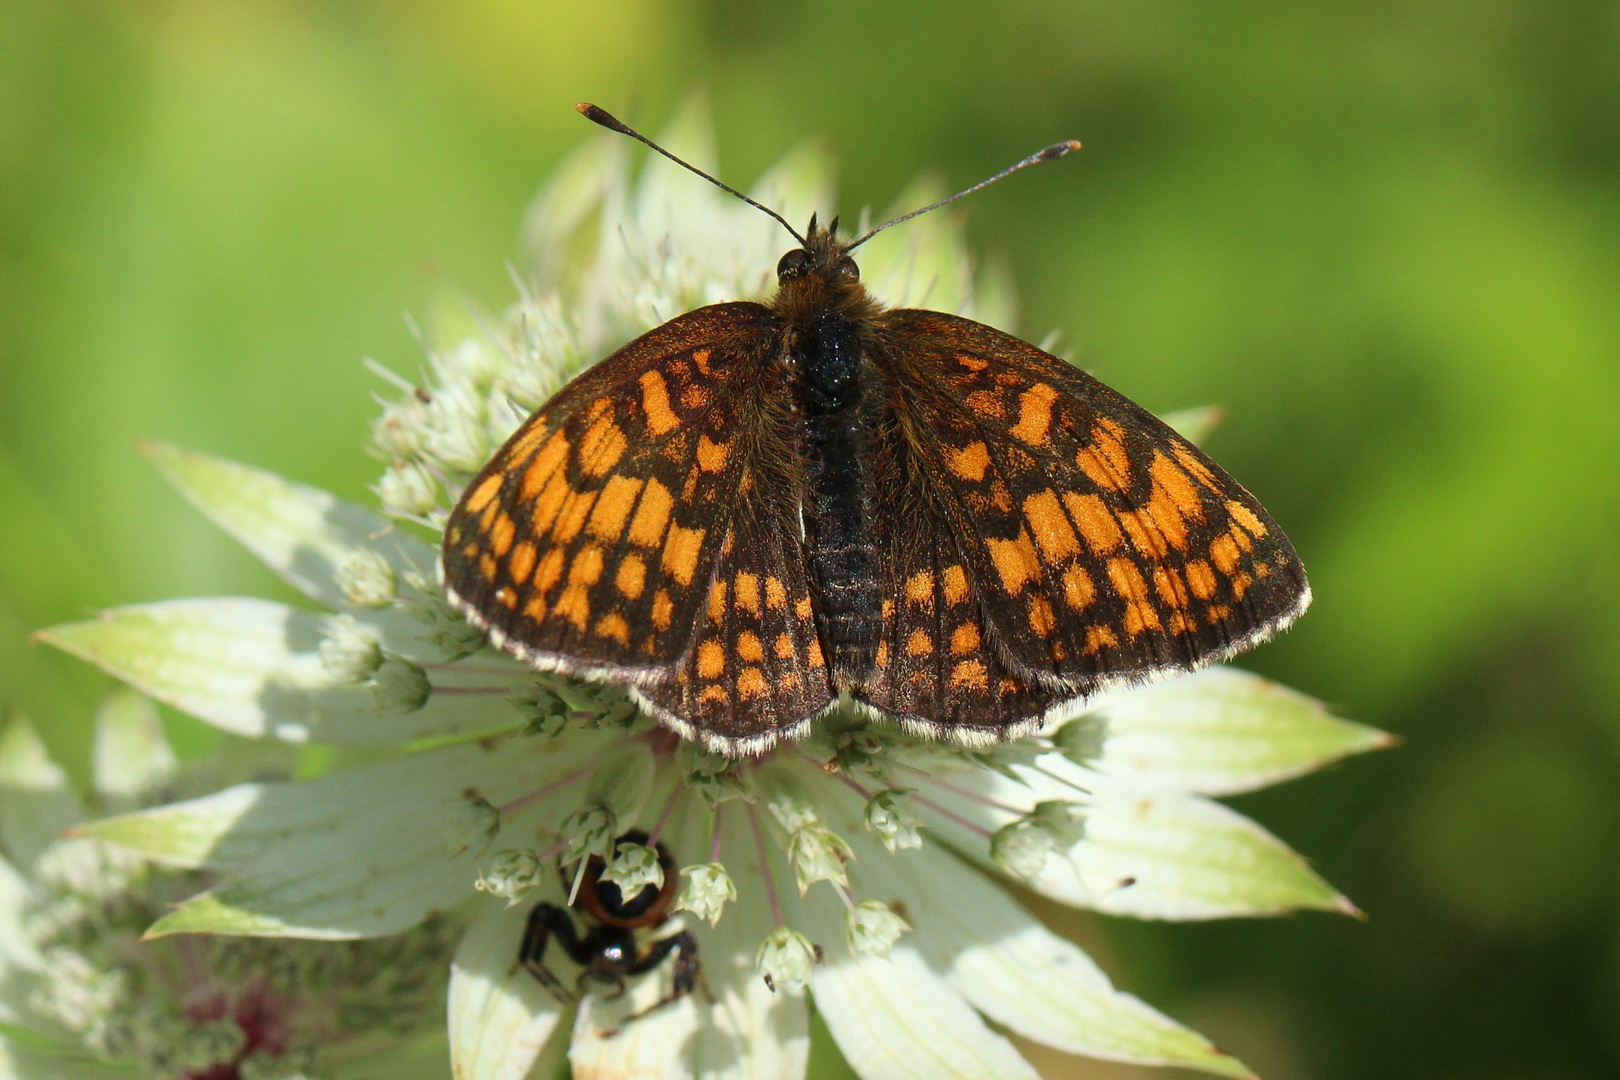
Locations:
823 258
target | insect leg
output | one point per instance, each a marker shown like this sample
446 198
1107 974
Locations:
684 946
545 922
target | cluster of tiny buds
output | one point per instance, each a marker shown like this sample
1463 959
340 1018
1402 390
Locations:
615 792
208 1005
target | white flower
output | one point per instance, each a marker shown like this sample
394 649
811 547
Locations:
897 927
83 997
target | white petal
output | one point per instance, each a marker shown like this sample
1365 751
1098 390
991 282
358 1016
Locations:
1149 855
304 534
1220 731
37 804
896 1018
351 854
253 667
500 1016
1010 967
131 756
924 263
16 895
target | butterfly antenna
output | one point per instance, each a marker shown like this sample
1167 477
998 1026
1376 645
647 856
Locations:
613 123
1051 153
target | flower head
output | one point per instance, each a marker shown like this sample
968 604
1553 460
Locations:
858 866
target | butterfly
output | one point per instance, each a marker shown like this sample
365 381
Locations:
758 510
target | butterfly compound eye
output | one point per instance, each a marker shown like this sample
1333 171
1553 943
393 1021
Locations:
792 264
847 269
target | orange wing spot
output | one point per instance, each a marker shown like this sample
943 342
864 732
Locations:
801 607
956 585
747 593
487 518
701 359
813 654
784 647
1034 414
586 568
572 518
717 601
1240 585
545 464
601 447
1127 579
1168 584
1078 588
550 569
652 514
1218 613
1141 617
1097 523
965 639
631 576
1224 550
532 435
1176 486
713 695
1000 498
1243 539
919 588
484 492
881 658
1015 560
1180 623
711 659
750 648
970 462
751 684
1201 472
535 609
613 506
711 456
614 626
988 403
469 549
1099 638
506 596
972 363
663 609
1144 533
681 551
970 674
574 605
775 594
1051 526
521 564
1166 517
1008 685
1262 569
486 567
1041 619
547 504
661 419
694 397
919 644
1201 579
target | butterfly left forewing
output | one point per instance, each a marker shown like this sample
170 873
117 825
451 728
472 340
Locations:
1101 545
587 544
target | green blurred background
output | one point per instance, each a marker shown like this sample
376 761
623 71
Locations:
1385 236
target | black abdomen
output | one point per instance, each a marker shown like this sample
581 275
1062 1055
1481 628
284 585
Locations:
838 412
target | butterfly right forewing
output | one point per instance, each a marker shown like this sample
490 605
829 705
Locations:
1101 546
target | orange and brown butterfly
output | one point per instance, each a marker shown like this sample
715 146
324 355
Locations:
758 510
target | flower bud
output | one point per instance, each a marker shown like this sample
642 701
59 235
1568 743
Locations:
510 874
407 490
785 958
633 868
348 650
367 579
706 891
874 928
474 826
399 686
890 816
1081 739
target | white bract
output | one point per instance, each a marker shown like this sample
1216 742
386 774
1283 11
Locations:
842 866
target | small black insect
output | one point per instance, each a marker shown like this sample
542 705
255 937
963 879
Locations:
609 952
